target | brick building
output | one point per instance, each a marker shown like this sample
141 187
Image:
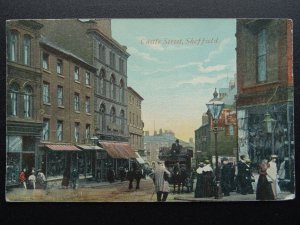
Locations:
265 87
23 84
91 40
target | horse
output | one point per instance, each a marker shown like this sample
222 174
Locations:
135 173
178 177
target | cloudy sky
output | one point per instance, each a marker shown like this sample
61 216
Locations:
175 64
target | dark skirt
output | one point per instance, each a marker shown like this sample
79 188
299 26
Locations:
264 189
199 191
208 184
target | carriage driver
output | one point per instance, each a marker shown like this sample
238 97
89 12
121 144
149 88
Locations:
175 148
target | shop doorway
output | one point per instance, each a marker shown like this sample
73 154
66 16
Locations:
28 162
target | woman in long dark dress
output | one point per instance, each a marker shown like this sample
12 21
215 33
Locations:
264 189
200 182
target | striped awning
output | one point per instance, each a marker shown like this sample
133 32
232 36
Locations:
55 147
89 147
118 150
139 158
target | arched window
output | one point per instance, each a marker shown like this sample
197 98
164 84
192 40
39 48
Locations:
102 82
12 45
112 87
28 102
26 50
102 121
122 117
122 91
113 115
13 101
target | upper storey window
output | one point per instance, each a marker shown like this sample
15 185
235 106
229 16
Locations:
12 46
262 56
26 49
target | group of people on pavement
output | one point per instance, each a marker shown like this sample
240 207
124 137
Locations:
36 180
239 178
67 176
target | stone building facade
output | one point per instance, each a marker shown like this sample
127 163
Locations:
23 81
135 122
265 87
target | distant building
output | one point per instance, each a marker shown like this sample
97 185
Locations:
155 142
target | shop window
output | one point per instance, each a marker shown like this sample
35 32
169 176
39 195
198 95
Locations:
56 163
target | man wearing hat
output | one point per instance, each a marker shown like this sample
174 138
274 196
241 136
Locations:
161 183
249 177
272 174
225 177
175 148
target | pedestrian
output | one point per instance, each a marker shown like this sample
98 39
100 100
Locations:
66 179
111 175
41 179
31 181
226 177
199 190
74 178
272 175
160 178
22 178
241 175
208 179
249 178
264 189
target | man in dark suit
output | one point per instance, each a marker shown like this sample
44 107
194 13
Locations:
175 148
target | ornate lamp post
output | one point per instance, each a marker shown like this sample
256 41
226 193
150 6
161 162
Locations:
215 108
270 127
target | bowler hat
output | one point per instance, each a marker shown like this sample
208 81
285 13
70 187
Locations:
206 162
274 156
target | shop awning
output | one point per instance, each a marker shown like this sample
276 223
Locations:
118 150
139 158
89 147
62 147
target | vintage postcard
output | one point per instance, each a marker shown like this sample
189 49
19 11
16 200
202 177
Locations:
147 110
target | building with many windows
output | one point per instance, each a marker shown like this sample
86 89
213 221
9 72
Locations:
99 49
265 90
66 110
23 83
135 122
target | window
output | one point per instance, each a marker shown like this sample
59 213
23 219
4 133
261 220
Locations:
87 105
112 60
88 78
45 61
121 66
60 96
102 52
26 50
46 129
113 87
87 132
14 89
102 120
262 56
59 130
122 115
102 83
59 66
76 102
122 90
76 132
13 46
76 73
46 96
28 102
113 115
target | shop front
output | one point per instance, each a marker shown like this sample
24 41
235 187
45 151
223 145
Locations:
59 160
119 154
21 147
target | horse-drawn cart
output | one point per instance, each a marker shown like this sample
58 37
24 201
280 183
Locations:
179 164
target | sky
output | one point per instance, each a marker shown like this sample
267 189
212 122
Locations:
175 65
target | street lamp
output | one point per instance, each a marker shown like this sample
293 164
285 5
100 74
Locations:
270 127
215 108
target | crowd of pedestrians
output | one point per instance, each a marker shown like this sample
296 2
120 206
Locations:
239 178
